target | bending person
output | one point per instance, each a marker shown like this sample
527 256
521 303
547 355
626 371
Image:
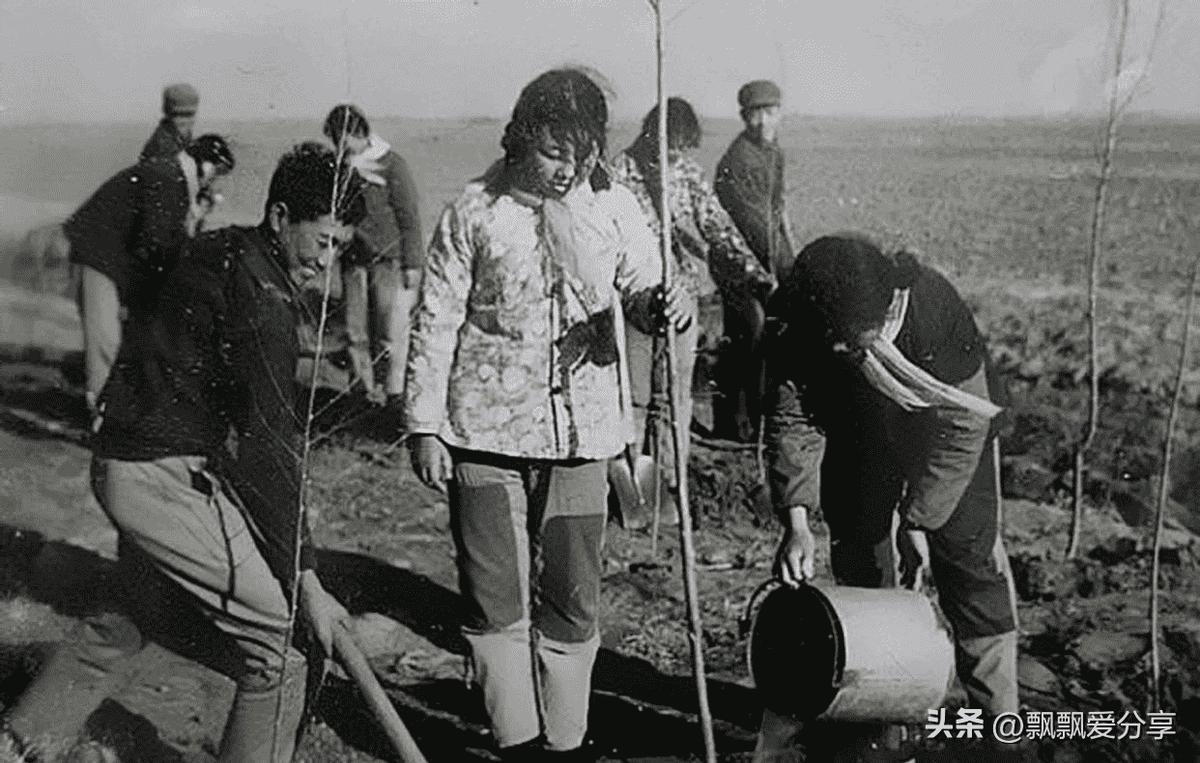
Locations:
125 240
207 539
878 405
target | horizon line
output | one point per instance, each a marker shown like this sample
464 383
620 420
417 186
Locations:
1066 116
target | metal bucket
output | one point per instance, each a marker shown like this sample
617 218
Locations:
850 654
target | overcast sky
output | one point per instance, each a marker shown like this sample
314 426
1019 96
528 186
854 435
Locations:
82 60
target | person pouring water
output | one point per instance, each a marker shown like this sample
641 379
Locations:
877 406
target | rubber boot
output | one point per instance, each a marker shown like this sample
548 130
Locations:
251 733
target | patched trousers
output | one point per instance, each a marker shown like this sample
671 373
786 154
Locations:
528 536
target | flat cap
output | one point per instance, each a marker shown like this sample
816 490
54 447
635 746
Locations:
180 100
760 92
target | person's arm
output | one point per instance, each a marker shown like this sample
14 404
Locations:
793 447
747 206
639 267
440 313
403 199
733 265
785 219
639 271
794 450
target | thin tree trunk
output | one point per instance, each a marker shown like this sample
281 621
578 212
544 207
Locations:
1099 207
678 431
1163 486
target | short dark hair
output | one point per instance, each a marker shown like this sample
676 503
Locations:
571 107
683 128
346 119
214 149
846 282
311 182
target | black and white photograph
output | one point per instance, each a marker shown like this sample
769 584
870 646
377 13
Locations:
599 381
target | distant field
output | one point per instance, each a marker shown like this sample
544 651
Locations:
1002 206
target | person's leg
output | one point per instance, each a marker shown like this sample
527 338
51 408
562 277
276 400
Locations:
754 379
100 313
567 507
970 569
685 366
488 510
356 302
860 487
85 669
395 319
728 403
196 536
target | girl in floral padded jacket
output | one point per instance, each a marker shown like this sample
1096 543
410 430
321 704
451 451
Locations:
517 393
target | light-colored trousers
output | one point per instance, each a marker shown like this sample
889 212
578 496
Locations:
199 560
378 316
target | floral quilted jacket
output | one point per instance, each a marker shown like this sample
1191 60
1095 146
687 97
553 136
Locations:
513 355
710 253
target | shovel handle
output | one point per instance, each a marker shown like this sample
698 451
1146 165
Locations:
352 658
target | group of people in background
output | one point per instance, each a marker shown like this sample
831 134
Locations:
524 346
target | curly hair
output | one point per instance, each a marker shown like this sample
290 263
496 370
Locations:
568 105
311 183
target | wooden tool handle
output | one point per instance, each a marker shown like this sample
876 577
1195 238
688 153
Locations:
352 658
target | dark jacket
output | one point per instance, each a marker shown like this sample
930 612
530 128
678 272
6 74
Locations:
392 227
164 143
132 228
833 440
749 183
218 358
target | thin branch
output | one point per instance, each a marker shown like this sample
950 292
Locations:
301 509
678 426
1163 484
1143 75
682 11
1095 249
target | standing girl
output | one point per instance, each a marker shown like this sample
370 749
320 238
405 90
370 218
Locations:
517 395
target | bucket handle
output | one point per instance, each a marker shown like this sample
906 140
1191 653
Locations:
746 621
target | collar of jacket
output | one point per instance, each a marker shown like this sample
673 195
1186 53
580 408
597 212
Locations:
267 261
747 142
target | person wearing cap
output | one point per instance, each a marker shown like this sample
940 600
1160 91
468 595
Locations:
750 185
382 268
879 414
125 239
174 132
